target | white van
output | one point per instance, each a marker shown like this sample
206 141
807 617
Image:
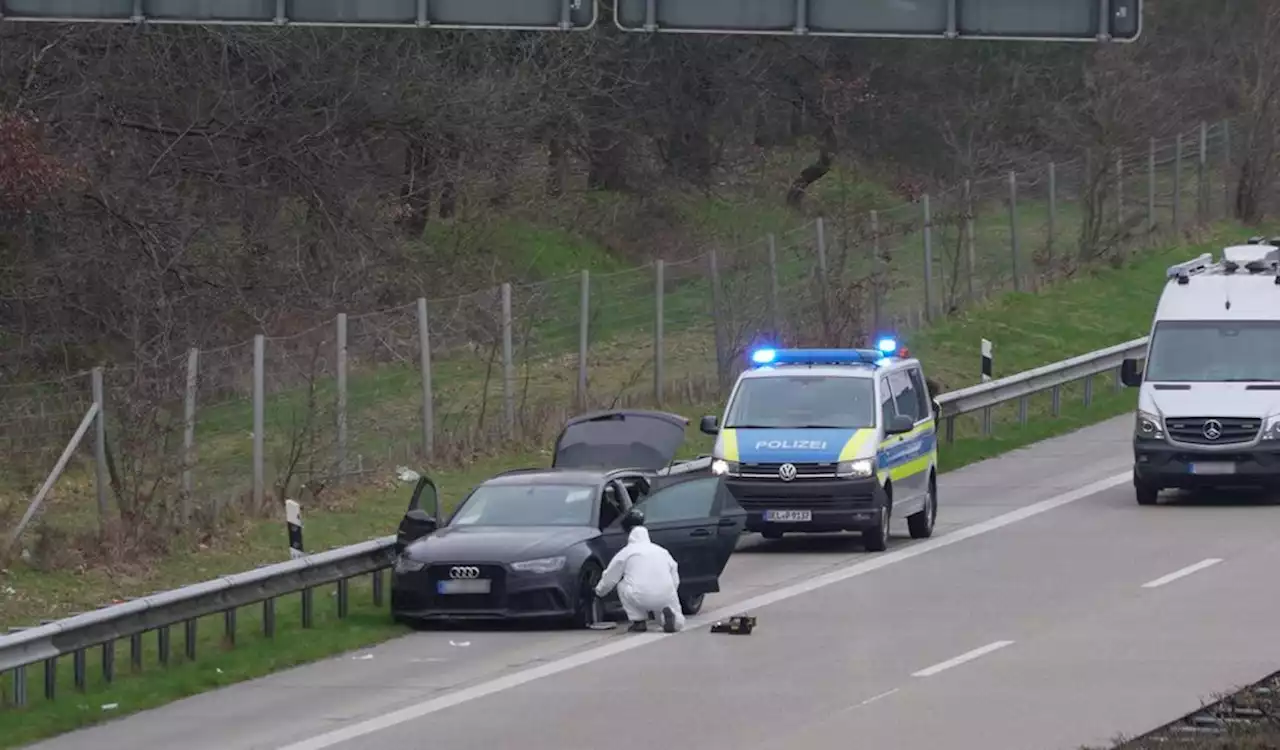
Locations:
1209 405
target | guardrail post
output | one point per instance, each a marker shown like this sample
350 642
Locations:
135 652
269 618
951 430
1088 390
78 669
508 367
341 353
584 334
229 626
308 608
986 422
1022 411
1056 408
377 588
659 360
424 365
162 644
109 662
344 592
189 634
20 686
51 678
1013 230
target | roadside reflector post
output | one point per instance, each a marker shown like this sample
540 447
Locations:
293 526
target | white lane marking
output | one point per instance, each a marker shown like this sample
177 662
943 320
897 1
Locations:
622 645
1175 575
875 698
961 659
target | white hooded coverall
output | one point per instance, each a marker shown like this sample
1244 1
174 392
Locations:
647 577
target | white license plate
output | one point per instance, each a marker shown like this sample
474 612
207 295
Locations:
1214 467
788 516
478 586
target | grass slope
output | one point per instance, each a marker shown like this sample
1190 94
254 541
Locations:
1095 310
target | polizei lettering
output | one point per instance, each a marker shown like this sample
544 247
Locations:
791 445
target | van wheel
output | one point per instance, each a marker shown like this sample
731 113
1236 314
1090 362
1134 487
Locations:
1148 494
877 539
920 524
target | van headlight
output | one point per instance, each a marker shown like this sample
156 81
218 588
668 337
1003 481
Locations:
721 467
1271 428
1147 426
859 469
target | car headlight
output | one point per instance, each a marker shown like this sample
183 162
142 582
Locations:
1147 426
406 565
721 467
855 469
1271 428
541 565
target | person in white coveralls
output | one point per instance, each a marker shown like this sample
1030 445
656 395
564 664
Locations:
647 578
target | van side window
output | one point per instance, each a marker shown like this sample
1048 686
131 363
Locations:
922 392
904 396
886 402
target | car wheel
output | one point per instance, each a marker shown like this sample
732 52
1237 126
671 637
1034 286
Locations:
692 605
1148 494
584 613
877 539
921 524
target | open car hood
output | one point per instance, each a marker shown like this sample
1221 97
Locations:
624 438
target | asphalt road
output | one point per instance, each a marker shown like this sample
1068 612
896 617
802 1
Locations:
1048 611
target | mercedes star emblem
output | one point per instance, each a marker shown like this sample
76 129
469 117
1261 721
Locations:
464 571
1213 429
787 472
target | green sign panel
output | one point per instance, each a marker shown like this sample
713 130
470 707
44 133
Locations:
1009 20
530 15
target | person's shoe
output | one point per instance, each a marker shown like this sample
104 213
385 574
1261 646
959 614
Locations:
668 620
638 627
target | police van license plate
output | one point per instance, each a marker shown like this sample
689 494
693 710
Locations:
788 516
478 586
1214 467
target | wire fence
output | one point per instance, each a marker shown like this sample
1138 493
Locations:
445 380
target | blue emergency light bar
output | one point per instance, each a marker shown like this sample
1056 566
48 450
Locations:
764 357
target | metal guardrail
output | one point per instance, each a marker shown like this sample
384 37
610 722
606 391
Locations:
103 628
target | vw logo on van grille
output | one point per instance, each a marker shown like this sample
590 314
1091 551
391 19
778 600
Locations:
464 571
787 472
1212 429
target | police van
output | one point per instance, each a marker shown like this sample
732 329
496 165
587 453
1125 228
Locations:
1209 400
823 440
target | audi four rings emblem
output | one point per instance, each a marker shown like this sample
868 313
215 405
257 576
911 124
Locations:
1213 429
464 571
787 472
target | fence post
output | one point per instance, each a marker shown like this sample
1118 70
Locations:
259 409
1151 189
1177 184
1053 208
100 444
774 313
341 353
928 259
584 322
824 296
1226 169
189 433
1013 229
1119 190
424 365
717 317
508 366
971 239
877 278
659 320
1202 175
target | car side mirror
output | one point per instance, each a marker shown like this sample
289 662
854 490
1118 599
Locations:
1130 373
898 425
416 524
710 425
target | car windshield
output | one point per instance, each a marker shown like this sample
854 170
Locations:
1214 351
803 401
527 505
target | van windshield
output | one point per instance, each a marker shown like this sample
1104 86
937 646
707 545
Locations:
803 401
1214 351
